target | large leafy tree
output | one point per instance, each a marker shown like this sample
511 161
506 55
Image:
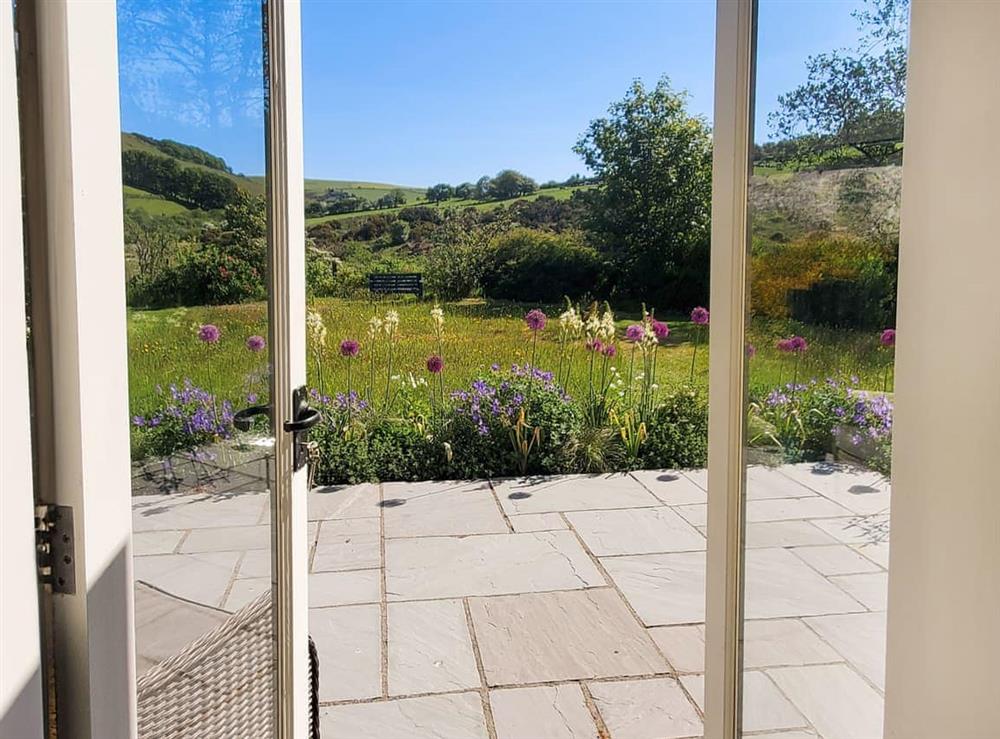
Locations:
853 98
652 208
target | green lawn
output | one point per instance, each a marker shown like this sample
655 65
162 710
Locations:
154 205
164 347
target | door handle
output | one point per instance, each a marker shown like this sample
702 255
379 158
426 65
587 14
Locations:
305 418
243 419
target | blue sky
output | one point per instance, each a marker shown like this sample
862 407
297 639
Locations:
415 93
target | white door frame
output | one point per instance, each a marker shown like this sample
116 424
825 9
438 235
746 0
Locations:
732 137
20 637
287 314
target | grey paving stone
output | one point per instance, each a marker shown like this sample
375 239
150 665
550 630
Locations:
663 589
671 486
785 534
571 635
836 559
492 564
683 646
785 509
764 707
352 544
785 641
635 531
165 625
835 700
572 493
344 501
430 649
196 511
779 584
862 532
552 712
348 640
227 539
859 490
528 522
440 509
455 716
646 709
871 589
155 542
202 578
860 638
344 588
764 483
245 591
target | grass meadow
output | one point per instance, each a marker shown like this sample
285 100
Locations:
164 348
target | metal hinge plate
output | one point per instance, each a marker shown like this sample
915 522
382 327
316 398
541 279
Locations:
55 547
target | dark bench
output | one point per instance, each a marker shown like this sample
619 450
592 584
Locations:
393 283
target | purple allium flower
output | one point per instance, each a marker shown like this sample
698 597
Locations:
888 337
256 343
349 348
751 351
660 329
594 345
610 350
798 344
209 333
784 345
699 316
535 319
635 332
434 364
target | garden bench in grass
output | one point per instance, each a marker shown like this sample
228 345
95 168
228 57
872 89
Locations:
396 283
221 684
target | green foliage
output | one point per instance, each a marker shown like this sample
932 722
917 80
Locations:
190 186
509 183
677 433
186 152
652 207
437 193
528 265
399 232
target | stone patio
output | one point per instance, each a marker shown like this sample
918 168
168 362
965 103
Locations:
563 607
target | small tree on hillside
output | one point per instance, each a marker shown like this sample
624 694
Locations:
652 208
510 183
440 192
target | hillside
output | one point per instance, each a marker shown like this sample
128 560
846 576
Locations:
255 185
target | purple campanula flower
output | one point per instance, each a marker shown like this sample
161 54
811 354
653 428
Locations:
535 319
349 348
209 333
138 421
256 343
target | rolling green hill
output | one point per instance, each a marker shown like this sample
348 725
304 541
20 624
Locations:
253 185
154 205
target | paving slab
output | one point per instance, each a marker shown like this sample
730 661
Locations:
440 509
572 493
779 584
786 641
836 559
646 709
155 542
663 589
860 638
862 532
430 649
877 553
871 589
635 531
683 646
344 588
165 625
348 641
764 707
835 700
855 488
455 716
244 591
196 511
344 501
571 635
785 509
671 486
550 711
202 578
353 544
491 564
785 534
227 539
764 483
528 522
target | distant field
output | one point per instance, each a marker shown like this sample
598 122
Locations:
559 193
154 205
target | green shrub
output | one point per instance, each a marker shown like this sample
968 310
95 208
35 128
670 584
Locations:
677 432
398 450
536 266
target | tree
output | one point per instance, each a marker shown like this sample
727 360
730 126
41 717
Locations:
482 188
465 190
440 192
652 207
853 98
510 183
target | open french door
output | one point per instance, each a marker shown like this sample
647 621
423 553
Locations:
117 659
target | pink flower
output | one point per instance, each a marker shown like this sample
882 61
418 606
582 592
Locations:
660 329
209 333
434 364
535 319
610 350
635 332
349 348
594 345
888 337
795 344
699 316
256 343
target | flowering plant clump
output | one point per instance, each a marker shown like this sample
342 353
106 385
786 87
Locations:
209 333
186 417
256 344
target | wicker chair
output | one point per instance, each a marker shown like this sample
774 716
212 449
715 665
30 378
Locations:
221 684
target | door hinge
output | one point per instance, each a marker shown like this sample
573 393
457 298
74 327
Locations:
54 547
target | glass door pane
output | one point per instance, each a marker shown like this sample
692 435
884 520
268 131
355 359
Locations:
200 365
823 201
